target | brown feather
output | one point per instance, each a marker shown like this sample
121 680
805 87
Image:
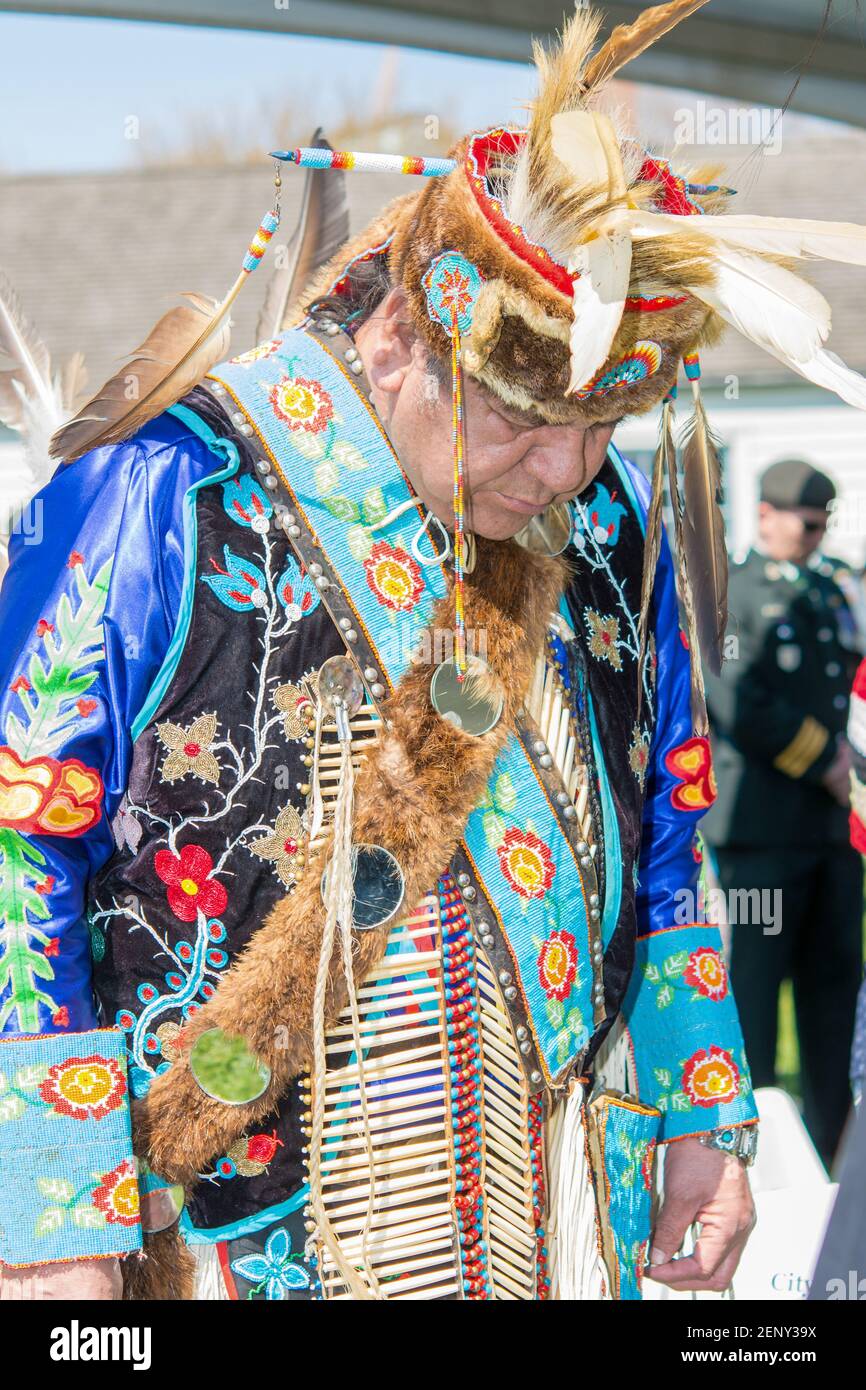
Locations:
628 41
73 379
538 184
561 81
700 724
178 352
322 228
704 534
653 542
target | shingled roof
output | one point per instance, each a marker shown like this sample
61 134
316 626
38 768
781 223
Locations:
97 257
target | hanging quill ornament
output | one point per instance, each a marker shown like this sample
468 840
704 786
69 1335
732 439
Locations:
176 354
703 526
700 724
340 693
459 498
322 228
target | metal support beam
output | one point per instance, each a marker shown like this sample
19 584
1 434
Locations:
733 48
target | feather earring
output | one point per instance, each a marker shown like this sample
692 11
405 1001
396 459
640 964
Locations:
322 228
653 542
704 526
177 353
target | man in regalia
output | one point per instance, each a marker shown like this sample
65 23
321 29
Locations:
354 757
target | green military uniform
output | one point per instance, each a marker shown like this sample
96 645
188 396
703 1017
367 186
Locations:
777 712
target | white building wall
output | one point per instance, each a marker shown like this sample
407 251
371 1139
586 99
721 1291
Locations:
764 426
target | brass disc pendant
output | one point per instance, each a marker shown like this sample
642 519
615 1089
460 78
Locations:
469 704
378 886
550 532
226 1069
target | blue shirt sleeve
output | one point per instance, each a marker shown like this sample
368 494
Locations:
87 610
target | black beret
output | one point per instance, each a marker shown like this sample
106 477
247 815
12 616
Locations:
795 483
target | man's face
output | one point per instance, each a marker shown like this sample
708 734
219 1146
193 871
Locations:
514 466
791 533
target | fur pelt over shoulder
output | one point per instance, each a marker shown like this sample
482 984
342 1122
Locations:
413 796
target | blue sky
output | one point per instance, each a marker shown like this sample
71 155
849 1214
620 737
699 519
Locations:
74 90
69 85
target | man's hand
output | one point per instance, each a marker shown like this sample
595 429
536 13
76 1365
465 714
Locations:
837 778
81 1280
704 1185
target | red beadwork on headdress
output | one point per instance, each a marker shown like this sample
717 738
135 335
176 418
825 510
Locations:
479 156
674 197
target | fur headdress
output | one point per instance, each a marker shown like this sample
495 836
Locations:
559 317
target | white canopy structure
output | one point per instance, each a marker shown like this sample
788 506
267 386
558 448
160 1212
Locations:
749 50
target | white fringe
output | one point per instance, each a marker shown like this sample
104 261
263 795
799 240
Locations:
576 1268
614 1065
209 1283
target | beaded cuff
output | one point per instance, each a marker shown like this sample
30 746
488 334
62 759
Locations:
685 1033
68 1189
622 1136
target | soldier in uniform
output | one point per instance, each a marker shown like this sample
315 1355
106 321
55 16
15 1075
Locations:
780 824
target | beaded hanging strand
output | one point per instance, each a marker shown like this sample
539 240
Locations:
459 445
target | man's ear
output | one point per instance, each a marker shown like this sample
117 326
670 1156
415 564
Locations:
387 343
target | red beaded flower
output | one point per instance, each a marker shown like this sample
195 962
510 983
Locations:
526 862
557 964
710 1077
117 1195
394 576
190 888
85 1088
706 971
301 404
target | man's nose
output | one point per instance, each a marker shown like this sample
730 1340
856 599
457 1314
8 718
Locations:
557 463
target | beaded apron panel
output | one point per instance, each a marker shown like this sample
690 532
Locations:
456 1138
